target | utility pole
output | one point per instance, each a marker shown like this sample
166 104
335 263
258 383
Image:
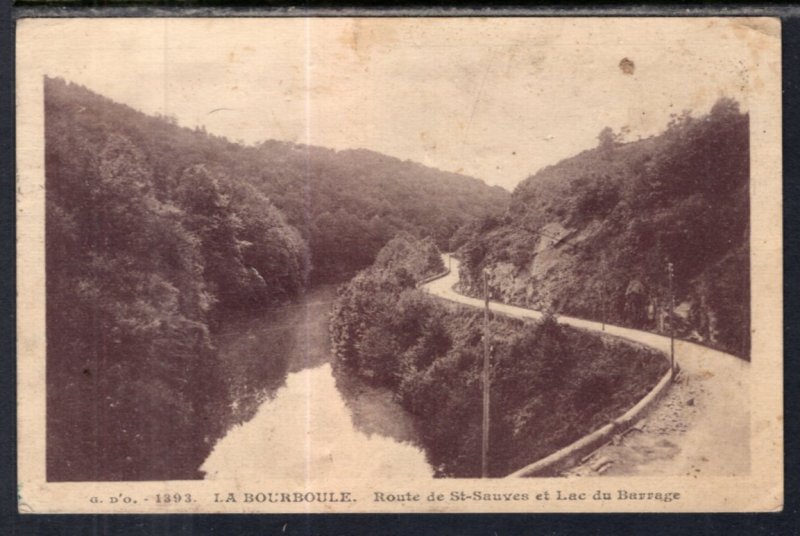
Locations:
603 299
485 427
671 320
604 291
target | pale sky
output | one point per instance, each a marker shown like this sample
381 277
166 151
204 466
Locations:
493 98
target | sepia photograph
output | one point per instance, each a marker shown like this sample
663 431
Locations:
399 264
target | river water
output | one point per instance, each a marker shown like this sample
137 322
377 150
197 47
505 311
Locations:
293 418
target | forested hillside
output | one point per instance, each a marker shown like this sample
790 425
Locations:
592 235
346 204
155 233
551 384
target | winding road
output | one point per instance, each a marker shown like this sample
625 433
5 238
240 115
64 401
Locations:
701 425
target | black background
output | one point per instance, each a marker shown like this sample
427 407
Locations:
11 523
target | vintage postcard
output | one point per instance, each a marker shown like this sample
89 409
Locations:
305 264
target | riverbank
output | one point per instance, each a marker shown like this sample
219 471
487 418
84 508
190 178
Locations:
256 353
289 415
550 384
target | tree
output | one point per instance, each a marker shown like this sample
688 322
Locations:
608 139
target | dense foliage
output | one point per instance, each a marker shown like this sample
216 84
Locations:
139 266
592 235
551 384
378 312
346 204
156 233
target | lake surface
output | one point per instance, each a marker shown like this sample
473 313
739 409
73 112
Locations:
293 418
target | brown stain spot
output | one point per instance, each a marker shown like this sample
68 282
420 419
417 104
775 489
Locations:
351 38
703 375
626 66
363 35
87 372
430 145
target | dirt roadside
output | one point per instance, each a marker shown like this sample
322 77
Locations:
701 426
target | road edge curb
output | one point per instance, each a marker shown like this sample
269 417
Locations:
574 452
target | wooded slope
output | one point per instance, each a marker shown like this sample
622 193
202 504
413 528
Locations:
592 235
156 233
